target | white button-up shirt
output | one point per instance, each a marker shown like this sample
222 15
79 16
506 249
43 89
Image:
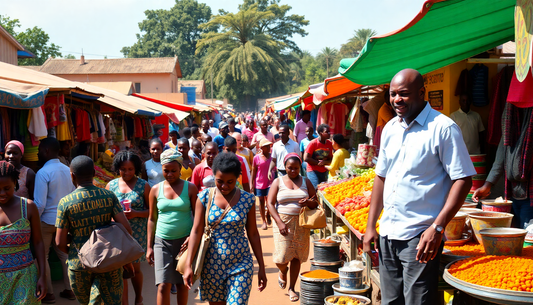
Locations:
419 163
280 150
52 182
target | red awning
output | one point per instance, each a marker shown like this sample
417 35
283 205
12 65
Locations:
165 103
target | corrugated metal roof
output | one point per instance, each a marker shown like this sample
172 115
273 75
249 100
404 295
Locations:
112 66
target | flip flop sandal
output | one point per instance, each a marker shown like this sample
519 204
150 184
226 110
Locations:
282 284
294 297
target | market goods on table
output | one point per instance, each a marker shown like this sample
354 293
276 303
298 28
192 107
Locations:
347 300
102 176
351 197
350 188
501 272
321 274
469 249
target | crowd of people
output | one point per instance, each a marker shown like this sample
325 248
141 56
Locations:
214 177
248 160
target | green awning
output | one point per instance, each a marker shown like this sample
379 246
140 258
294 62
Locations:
443 33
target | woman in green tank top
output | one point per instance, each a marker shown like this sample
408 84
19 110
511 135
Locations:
169 225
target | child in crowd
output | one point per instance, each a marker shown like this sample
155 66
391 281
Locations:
260 182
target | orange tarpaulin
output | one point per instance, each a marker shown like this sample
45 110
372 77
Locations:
332 87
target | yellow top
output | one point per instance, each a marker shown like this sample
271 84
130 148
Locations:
249 158
186 173
338 161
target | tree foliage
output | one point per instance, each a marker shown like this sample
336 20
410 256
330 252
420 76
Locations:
174 32
328 55
244 62
34 39
356 43
280 25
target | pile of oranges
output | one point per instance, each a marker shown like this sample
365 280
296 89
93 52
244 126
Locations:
470 249
358 219
502 272
351 188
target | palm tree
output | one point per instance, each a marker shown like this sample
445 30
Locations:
328 54
357 42
241 56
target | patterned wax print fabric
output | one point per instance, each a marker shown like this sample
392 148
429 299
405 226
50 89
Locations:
80 212
18 273
138 224
228 269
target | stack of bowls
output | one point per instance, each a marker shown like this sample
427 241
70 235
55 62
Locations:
487 220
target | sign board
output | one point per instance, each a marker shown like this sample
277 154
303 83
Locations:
436 99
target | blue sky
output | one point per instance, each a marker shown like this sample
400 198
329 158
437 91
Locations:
103 27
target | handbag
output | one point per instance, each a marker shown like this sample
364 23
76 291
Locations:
109 248
199 258
312 219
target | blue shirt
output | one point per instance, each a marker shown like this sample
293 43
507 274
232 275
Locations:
304 143
52 182
220 141
419 163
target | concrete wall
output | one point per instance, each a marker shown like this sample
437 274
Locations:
150 83
8 51
446 78
177 98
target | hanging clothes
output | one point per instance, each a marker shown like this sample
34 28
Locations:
83 132
51 109
463 84
520 92
501 83
37 125
479 76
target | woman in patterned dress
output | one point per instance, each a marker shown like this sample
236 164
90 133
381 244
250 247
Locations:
20 281
288 194
129 186
228 267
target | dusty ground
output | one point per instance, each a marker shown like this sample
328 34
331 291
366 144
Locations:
272 295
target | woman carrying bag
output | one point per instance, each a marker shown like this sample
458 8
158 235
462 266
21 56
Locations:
291 241
169 225
226 277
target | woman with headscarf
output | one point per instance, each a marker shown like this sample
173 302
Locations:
169 225
291 242
14 152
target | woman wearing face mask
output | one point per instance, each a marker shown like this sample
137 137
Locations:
20 280
151 169
291 192
169 225
14 152
136 190
228 267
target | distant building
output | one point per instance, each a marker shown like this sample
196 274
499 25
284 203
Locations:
148 75
10 49
198 84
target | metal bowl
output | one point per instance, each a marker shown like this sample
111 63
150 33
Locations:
503 241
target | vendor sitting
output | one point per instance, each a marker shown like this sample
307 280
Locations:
339 156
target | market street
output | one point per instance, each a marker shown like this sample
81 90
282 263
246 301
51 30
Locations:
272 295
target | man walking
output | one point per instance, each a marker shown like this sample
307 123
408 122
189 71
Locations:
281 149
52 182
79 213
422 178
